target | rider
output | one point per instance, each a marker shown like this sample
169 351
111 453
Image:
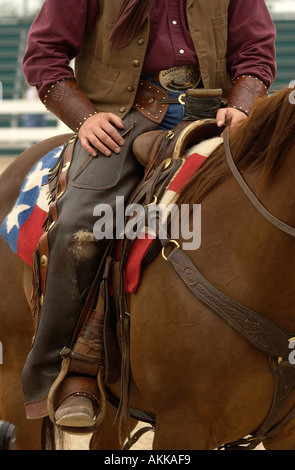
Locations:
228 44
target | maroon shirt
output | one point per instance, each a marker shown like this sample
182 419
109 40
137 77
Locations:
57 33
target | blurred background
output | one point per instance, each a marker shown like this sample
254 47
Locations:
24 120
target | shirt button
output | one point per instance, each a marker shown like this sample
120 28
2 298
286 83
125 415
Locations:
122 109
135 63
181 51
174 22
140 41
130 88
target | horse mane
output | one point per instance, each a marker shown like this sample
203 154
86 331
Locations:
263 141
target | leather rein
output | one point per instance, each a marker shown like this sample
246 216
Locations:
253 327
251 196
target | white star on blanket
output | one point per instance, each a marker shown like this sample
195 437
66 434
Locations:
12 218
35 178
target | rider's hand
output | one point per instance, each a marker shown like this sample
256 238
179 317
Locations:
229 116
99 133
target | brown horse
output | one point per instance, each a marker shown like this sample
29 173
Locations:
205 383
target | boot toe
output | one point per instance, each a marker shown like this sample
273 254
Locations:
76 411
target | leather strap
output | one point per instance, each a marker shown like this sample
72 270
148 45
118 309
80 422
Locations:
42 252
151 101
253 327
250 195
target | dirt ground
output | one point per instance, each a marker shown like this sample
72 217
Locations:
81 443
144 443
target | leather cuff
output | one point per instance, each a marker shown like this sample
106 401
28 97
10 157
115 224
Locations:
69 104
245 90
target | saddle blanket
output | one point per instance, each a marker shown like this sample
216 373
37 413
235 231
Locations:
22 228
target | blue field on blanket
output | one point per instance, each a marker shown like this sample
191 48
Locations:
22 228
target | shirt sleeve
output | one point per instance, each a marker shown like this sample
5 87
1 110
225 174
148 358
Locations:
251 41
54 39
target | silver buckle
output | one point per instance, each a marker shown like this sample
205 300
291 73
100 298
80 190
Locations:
180 78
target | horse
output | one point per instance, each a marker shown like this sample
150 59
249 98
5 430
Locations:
204 382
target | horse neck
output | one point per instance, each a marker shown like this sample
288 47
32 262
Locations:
245 256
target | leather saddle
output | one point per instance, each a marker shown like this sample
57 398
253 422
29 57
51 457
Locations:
151 148
155 146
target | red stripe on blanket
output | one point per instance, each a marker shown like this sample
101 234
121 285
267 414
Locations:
191 165
29 235
140 246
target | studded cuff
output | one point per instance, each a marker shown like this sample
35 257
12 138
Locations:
245 90
65 99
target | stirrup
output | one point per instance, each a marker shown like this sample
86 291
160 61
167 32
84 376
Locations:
77 388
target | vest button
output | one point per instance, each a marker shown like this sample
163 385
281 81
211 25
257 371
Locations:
140 41
122 109
130 88
135 63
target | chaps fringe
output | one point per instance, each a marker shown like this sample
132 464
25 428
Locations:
36 289
54 187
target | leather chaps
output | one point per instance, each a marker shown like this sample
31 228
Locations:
69 255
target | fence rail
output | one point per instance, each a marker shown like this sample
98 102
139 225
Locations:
20 137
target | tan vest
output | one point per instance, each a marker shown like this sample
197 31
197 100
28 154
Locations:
111 80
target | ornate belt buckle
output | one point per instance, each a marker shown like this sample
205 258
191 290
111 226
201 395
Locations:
180 78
